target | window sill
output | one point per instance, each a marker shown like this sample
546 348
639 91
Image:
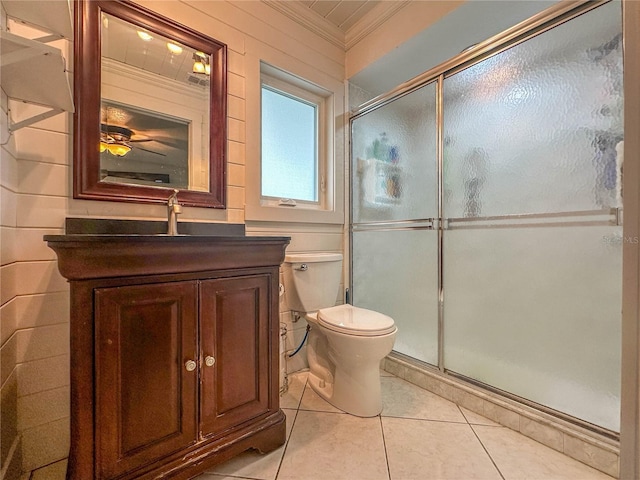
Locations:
297 214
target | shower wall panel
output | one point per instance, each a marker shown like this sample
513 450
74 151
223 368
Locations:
531 183
535 311
394 160
394 201
537 127
533 136
395 275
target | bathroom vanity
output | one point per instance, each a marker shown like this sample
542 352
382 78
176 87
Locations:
174 351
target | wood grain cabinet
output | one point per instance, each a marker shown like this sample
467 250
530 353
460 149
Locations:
174 357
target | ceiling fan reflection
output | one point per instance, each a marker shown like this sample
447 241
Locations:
117 140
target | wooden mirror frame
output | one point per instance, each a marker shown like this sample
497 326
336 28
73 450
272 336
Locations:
87 98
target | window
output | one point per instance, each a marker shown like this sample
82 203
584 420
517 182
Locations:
294 144
289 145
292 157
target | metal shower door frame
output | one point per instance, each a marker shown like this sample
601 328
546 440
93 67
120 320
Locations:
540 23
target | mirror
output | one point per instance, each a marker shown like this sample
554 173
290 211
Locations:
150 98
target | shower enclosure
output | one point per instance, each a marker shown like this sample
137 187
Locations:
486 207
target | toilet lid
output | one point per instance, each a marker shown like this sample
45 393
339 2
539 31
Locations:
355 321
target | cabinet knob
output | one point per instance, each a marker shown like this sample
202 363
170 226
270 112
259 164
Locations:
209 361
190 365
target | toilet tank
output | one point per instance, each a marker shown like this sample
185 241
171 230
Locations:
311 280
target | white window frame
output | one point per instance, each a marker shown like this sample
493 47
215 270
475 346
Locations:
291 90
308 84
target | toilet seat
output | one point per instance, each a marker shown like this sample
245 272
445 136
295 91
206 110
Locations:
352 320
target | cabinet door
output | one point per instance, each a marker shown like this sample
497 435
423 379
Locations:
234 326
145 395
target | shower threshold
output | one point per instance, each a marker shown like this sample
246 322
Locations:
588 444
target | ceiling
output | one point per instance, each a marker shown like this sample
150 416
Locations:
471 23
341 22
343 14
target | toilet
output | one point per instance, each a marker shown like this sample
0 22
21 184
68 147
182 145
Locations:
346 343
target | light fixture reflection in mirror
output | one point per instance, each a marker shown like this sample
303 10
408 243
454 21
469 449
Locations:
114 140
156 145
201 64
153 109
144 36
117 149
154 119
173 48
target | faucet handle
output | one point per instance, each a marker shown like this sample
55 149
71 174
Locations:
173 199
173 209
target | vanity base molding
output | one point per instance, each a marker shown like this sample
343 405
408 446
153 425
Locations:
174 352
264 436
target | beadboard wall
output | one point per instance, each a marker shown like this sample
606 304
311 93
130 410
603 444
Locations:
36 196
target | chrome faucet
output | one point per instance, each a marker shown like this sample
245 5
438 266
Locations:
174 208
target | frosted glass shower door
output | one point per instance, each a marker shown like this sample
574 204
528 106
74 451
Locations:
532 192
394 201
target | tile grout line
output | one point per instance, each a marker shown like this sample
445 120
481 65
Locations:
286 444
322 411
304 388
293 425
218 475
482 444
384 444
458 422
32 472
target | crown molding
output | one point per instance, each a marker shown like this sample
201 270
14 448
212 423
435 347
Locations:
372 20
310 20
325 29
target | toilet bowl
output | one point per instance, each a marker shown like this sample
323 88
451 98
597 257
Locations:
346 343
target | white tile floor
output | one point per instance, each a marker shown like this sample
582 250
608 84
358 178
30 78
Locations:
418 436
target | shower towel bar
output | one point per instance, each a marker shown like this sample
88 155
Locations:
513 220
505 221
